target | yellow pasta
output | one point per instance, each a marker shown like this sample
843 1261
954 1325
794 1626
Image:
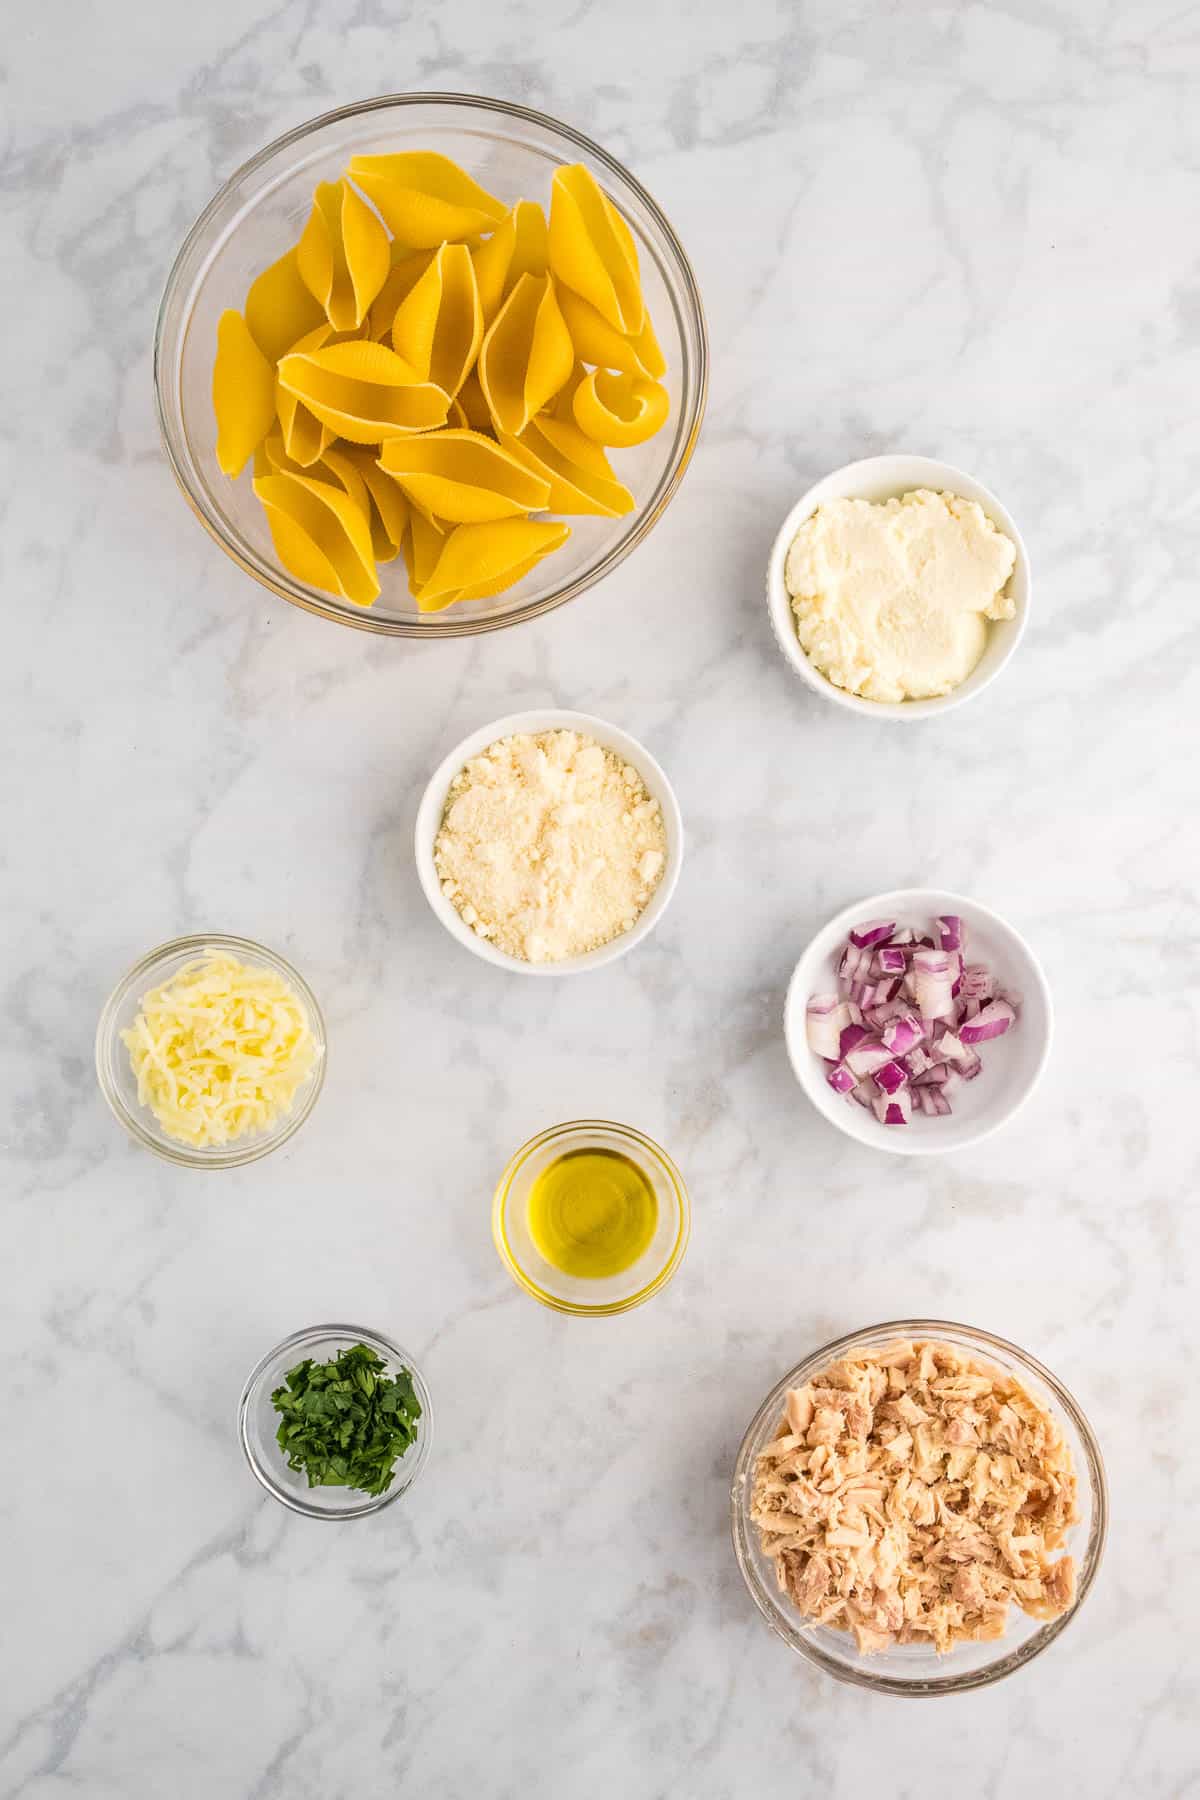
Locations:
596 341
427 368
363 391
422 546
343 254
526 355
243 393
592 249
568 465
438 327
478 561
518 246
620 409
463 476
280 309
320 535
425 199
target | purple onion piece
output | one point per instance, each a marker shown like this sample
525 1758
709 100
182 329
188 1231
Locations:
951 935
902 1033
852 1034
933 973
875 931
889 960
825 1018
991 1021
891 1078
893 1109
864 1093
840 1079
867 1056
978 983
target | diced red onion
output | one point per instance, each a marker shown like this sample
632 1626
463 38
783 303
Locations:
875 931
893 1109
978 983
868 1056
951 935
890 960
891 1078
933 973
902 1033
991 1022
904 1026
825 1019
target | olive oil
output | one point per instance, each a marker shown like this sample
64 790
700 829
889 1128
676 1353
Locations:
592 1213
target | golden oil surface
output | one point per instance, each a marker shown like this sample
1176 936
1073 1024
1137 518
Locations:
592 1213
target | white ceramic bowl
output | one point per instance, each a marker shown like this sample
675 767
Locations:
881 478
1012 1064
433 805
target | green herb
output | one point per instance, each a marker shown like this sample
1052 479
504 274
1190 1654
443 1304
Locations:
346 1423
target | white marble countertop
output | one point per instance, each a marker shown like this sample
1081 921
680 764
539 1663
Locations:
965 230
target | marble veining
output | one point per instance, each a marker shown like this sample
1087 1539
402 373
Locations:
966 230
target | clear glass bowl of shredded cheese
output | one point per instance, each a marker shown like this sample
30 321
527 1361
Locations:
211 1051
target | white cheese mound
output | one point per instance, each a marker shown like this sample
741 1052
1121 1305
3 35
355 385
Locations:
550 845
220 1050
892 601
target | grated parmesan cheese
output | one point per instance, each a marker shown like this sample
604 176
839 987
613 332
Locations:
221 1050
550 845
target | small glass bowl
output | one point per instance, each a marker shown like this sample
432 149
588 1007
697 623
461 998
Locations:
258 1423
915 1669
118 1083
589 1297
260 213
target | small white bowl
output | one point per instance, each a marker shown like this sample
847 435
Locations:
433 805
880 478
1012 1064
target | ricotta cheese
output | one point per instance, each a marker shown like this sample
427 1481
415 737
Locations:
550 845
892 601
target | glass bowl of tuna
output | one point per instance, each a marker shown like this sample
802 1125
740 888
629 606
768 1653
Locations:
919 1507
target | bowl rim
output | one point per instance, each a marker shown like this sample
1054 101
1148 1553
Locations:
929 471
443 624
896 1142
799 1639
432 804
556 1303
227 1156
307 1338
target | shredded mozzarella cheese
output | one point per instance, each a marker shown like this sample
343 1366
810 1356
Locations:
221 1050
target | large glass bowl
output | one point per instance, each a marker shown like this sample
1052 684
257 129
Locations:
260 213
915 1669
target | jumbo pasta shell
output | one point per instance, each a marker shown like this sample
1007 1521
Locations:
620 409
343 255
463 477
596 341
363 391
243 392
380 498
424 198
480 560
518 246
574 487
280 309
320 534
407 268
592 249
526 355
422 546
438 327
